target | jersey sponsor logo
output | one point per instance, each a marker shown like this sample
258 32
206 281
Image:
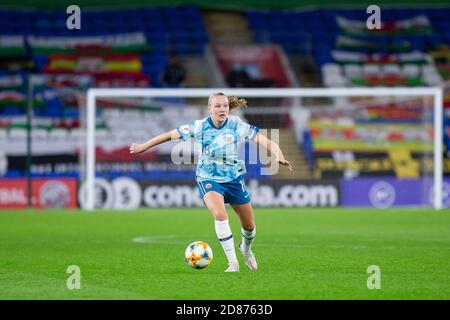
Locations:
185 129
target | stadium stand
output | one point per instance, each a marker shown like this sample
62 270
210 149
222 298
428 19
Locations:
131 47
411 50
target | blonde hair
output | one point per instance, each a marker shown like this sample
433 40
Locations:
233 102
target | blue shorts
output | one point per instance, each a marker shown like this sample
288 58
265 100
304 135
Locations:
233 192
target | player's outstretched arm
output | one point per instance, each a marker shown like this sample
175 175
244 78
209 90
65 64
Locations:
164 137
274 148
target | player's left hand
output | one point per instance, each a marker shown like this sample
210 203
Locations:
286 163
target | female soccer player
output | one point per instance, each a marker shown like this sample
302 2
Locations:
219 173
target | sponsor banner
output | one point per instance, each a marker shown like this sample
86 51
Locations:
123 42
261 62
386 80
413 57
415 25
356 44
108 64
391 192
128 193
69 163
122 80
46 193
12 46
63 81
45 164
11 81
372 137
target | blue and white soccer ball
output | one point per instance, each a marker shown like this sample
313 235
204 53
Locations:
198 255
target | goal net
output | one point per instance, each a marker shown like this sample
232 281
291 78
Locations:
351 147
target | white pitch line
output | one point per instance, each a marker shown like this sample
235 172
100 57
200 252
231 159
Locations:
166 239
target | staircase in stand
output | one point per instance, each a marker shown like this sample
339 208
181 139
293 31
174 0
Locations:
227 28
292 152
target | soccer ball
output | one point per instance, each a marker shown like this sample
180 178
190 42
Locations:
198 255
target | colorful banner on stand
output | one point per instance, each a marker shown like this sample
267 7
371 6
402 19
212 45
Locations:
261 62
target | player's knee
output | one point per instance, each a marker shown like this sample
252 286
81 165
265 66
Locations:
248 227
219 214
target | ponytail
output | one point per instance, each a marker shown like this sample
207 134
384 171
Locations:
233 102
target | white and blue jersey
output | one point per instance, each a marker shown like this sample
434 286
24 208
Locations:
218 160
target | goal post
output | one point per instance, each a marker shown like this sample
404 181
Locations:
435 92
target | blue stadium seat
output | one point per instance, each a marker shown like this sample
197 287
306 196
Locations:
158 47
201 37
53 112
54 175
13 174
71 112
280 36
38 112
198 47
417 44
181 48
194 24
178 36
72 174
7 29
435 39
12 110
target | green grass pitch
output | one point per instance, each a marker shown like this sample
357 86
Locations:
302 254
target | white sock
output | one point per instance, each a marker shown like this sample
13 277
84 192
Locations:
225 236
247 239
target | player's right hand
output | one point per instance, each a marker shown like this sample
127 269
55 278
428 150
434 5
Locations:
286 163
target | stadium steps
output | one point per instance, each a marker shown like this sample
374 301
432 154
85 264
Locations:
227 28
305 70
293 153
196 73
307 75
